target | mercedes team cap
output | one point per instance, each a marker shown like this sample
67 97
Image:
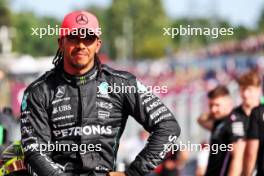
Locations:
79 20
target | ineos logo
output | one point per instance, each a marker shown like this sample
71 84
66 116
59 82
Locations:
60 92
82 19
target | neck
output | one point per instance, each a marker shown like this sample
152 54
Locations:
247 109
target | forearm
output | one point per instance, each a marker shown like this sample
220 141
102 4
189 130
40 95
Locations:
249 164
235 168
237 155
41 164
250 157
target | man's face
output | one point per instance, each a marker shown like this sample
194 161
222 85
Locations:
250 95
220 107
79 51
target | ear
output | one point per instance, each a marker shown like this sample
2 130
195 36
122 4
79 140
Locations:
98 45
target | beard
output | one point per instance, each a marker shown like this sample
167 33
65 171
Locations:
79 66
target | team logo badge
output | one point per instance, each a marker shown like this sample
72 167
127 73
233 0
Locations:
82 19
60 92
103 88
141 87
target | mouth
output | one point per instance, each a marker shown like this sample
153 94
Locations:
80 54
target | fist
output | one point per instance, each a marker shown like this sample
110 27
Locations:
116 174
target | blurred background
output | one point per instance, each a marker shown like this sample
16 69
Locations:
133 40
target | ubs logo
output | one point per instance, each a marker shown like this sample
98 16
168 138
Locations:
82 19
60 92
62 108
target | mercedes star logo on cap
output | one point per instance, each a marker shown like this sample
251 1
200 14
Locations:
82 19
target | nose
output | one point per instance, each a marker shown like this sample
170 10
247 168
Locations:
214 109
80 44
245 93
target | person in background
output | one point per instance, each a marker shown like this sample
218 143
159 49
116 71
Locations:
254 153
250 93
220 107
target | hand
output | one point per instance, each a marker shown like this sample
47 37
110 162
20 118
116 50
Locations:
116 174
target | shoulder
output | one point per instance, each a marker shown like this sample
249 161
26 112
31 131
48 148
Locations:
237 109
259 108
257 112
236 114
41 81
119 74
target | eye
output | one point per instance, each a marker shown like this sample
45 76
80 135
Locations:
90 37
71 37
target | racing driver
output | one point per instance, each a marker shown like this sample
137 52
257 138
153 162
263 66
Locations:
72 105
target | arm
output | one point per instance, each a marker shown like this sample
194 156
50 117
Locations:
156 118
205 121
250 156
252 142
35 131
237 158
236 135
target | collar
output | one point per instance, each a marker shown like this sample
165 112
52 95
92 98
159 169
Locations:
79 80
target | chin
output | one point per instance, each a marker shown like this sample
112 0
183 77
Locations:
79 66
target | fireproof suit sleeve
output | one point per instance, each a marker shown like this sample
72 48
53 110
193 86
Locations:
158 120
36 134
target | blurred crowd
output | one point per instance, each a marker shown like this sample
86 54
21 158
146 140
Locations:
219 66
252 44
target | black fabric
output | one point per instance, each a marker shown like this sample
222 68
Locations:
62 109
225 132
256 131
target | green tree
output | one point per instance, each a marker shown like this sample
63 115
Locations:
261 21
5 13
27 43
136 28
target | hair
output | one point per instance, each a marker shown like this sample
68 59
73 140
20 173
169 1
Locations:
251 78
219 91
58 58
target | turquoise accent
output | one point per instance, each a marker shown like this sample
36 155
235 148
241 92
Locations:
24 102
103 88
1 135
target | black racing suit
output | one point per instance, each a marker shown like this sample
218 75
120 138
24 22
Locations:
59 108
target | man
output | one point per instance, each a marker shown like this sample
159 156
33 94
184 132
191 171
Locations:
72 104
222 135
254 154
250 92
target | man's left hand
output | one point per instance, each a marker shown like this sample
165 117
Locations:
116 174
